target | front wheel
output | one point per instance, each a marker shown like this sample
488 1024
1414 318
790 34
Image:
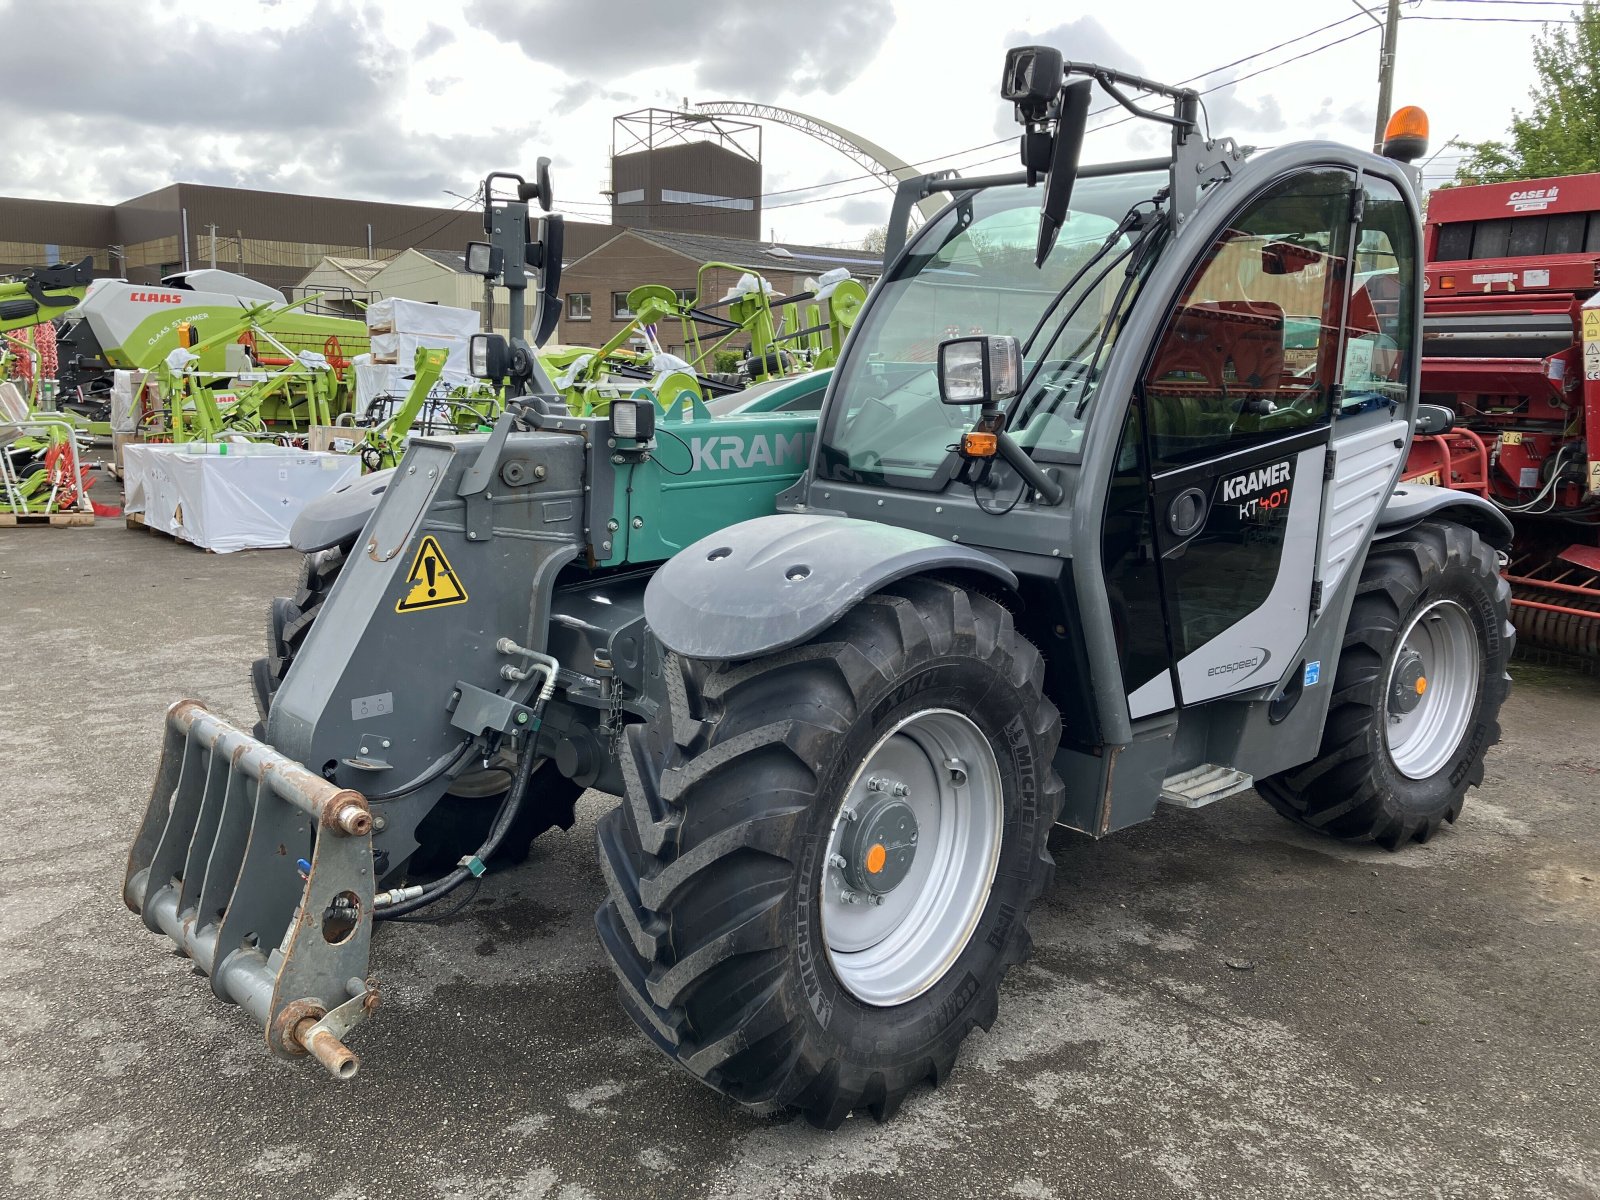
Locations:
825 858
1417 694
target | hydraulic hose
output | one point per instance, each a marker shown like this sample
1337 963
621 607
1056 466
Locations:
408 900
472 866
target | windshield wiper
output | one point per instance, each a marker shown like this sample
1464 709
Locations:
1134 257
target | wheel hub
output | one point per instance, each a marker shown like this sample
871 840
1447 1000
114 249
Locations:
879 846
1409 683
911 857
1432 688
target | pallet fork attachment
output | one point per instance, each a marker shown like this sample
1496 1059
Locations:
261 872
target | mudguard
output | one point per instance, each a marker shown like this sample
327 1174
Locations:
1413 502
770 583
339 516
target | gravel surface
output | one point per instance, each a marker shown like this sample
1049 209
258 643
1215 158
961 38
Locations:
1219 1005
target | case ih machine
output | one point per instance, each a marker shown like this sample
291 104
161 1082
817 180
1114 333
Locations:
1511 345
1139 539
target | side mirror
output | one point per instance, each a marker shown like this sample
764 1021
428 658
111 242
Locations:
539 189
488 356
1433 419
980 370
484 259
1287 258
1064 154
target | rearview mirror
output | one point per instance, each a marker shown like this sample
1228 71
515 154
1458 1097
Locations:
1063 165
980 370
1433 419
1287 258
540 188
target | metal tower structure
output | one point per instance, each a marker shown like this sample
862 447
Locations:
887 168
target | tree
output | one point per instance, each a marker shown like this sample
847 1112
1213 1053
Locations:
1560 134
877 238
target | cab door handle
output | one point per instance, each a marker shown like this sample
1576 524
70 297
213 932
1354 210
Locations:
1186 514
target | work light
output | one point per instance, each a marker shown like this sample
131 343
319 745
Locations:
979 370
633 420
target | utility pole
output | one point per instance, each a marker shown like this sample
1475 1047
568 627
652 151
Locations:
1391 34
213 230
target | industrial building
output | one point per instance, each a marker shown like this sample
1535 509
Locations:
274 237
595 287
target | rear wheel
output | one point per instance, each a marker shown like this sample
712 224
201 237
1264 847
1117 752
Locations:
825 858
1417 694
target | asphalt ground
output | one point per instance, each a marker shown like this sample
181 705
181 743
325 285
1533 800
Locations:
1218 1006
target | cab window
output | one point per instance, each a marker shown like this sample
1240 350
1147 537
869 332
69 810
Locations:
1250 352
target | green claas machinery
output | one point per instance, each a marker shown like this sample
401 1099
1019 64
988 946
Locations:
1100 511
43 294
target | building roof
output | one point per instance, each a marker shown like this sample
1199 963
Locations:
362 268
771 256
456 260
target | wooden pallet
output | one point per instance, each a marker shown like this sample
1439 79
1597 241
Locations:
9 520
137 522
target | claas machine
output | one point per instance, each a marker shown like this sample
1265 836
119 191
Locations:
1511 346
1137 538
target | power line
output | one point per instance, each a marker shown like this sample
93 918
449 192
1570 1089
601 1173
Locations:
1310 33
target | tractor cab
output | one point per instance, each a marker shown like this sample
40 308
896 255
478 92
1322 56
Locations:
1169 396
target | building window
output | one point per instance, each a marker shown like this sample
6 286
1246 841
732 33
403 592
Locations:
578 306
706 199
619 307
685 295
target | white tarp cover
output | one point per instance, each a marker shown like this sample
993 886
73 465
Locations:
228 496
399 327
394 315
125 387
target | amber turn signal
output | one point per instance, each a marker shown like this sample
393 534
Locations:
979 445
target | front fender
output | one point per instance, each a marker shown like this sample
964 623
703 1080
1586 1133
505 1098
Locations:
770 583
1414 502
339 516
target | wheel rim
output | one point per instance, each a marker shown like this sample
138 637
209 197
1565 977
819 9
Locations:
911 857
1432 687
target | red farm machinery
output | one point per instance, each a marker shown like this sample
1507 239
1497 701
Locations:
1511 345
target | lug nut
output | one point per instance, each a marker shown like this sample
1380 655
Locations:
837 860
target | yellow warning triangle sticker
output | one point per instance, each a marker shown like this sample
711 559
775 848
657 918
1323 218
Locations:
433 580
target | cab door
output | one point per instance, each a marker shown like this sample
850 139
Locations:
1227 438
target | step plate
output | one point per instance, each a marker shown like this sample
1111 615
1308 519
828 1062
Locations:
1204 785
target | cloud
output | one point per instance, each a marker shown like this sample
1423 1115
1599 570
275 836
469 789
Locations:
736 49
195 113
864 210
1236 117
330 67
572 96
433 39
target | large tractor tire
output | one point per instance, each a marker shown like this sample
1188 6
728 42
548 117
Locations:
825 858
1417 694
289 619
461 820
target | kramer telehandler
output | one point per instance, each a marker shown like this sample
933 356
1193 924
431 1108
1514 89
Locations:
1138 540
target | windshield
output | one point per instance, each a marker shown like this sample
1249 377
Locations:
971 272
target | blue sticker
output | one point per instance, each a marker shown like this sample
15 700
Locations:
1313 673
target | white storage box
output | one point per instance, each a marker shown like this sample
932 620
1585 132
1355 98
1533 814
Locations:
228 496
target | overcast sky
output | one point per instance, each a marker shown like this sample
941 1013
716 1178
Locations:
404 101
